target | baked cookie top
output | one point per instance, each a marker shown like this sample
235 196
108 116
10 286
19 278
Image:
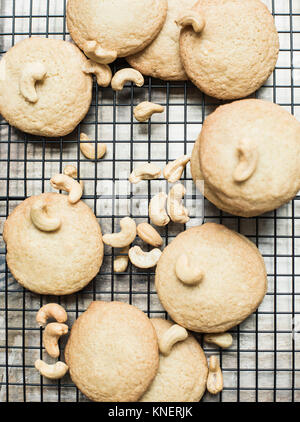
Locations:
181 375
236 51
222 278
112 352
43 89
58 262
108 29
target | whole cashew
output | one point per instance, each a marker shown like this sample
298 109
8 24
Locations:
142 259
124 237
176 210
121 261
147 171
170 337
223 340
125 75
187 273
88 149
149 235
157 211
192 18
51 310
98 54
101 71
53 372
68 184
40 218
215 378
52 333
31 73
248 157
173 170
145 110
71 171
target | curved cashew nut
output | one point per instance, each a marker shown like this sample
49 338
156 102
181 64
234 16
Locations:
170 337
215 377
31 73
147 171
142 259
157 211
68 184
248 157
88 148
173 170
192 18
125 75
51 310
187 273
176 210
40 218
98 54
71 171
53 372
144 110
102 72
223 340
51 335
149 235
124 237
121 261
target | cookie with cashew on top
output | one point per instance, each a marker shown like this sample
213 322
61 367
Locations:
248 155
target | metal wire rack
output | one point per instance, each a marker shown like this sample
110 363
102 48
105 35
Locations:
264 362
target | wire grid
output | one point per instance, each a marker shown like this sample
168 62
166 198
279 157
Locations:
264 362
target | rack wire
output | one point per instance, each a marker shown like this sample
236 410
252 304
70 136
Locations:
264 362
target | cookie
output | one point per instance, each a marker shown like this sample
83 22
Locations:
43 88
235 52
112 352
107 29
181 375
248 155
210 278
56 262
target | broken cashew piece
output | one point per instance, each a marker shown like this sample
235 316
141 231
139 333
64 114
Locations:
223 340
215 377
51 310
121 261
187 273
126 75
145 110
142 259
192 18
149 235
67 184
88 148
124 237
52 372
40 217
157 211
31 73
102 72
176 210
147 171
170 337
248 157
98 54
51 335
173 170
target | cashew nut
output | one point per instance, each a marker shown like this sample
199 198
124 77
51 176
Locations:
176 210
248 157
98 54
121 261
170 337
188 273
68 184
149 235
124 237
157 212
147 171
88 148
173 170
51 335
40 217
31 73
53 372
51 310
215 377
142 259
71 171
101 71
144 110
192 18
125 75
223 340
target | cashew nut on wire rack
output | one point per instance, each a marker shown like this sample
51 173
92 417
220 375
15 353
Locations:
51 335
51 310
125 237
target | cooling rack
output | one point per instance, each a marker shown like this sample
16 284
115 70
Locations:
264 362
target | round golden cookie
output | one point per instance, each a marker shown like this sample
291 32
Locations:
43 89
108 29
181 375
112 352
248 155
161 59
236 51
232 278
59 262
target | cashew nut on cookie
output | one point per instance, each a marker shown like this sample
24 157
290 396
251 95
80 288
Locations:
146 109
142 259
223 340
125 237
53 372
41 219
98 54
172 336
51 335
126 75
189 272
51 310
68 184
88 149
31 73
149 235
157 211
176 210
146 171
215 377
173 170
101 71
191 18
248 157
121 261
